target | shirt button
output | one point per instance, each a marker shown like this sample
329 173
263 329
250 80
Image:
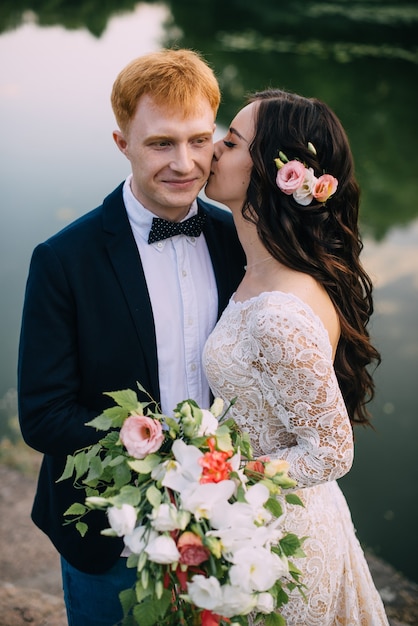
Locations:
193 367
184 273
159 245
192 239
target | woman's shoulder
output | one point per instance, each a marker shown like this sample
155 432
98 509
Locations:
287 314
315 299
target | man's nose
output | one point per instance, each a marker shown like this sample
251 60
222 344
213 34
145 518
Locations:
182 161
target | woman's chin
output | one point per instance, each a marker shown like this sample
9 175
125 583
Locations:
210 192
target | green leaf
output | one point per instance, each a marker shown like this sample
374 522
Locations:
127 599
145 466
293 569
245 445
81 465
121 475
132 560
93 451
68 469
223 438
110 440
82 528
127 495
281 597
173 424
274 507
76 509
101 422
117 460
142 593
290 543
141 388
147 613
274 619
292 498
240 493
153 496
95 470
126 398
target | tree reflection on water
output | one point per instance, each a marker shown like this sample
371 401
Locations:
361 57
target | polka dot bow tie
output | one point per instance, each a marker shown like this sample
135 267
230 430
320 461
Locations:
163 229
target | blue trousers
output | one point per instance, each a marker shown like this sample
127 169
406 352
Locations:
93 599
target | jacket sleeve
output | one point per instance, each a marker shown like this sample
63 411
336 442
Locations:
51 417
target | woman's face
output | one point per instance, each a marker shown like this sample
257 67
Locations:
231 166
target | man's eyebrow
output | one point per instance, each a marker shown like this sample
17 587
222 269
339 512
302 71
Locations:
234 131
171 137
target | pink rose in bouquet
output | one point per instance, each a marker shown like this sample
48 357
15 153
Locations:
141 435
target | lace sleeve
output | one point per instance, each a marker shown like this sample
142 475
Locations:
299 383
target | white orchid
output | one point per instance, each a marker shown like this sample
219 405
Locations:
256 569
235 601
204 499
137 539
244 514
185 471
167 517
234 539
205 592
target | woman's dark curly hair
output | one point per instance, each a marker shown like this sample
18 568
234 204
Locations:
320 239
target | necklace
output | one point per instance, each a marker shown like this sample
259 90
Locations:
247 267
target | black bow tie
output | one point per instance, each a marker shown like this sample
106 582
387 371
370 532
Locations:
163 229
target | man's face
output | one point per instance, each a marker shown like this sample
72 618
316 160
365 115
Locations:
170 156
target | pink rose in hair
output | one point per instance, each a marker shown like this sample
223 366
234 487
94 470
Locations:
304 194
141 435
325 187
290 176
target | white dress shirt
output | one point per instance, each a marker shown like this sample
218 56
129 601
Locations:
184 299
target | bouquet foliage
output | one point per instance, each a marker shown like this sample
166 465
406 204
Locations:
200 519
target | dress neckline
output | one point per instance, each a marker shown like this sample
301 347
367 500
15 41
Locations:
281 295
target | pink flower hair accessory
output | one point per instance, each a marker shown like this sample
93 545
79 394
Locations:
295 179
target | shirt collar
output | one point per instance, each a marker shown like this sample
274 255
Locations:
141 218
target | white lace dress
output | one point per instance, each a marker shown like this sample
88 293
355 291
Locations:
273 353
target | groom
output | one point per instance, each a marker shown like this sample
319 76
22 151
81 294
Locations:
121 296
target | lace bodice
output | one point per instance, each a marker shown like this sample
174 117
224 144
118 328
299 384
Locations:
274 354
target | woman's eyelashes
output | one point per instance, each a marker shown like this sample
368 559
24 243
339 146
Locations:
229 144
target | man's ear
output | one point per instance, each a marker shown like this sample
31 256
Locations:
120 141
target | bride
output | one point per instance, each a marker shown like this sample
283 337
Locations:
292 344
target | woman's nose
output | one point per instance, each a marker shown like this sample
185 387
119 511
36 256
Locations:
217 150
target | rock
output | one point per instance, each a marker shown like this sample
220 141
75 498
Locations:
20 606
400 595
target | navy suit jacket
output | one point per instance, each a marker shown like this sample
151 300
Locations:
88 328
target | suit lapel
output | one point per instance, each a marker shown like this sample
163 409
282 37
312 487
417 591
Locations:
126 262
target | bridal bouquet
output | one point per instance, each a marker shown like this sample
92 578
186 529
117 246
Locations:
199 518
